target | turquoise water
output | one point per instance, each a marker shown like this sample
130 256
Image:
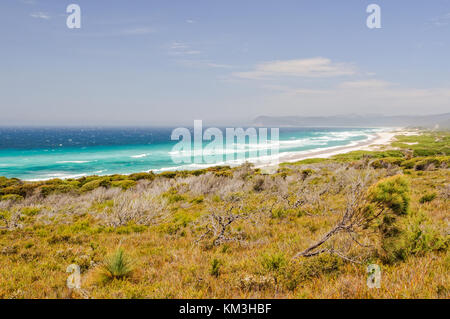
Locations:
45 153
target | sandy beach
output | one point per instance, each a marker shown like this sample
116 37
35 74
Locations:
378 141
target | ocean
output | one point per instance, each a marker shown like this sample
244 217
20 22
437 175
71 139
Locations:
46 153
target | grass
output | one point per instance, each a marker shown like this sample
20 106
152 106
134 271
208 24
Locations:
166 250
118 266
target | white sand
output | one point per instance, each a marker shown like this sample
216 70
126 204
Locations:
379 141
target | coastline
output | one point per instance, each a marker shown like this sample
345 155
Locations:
379 141
376 141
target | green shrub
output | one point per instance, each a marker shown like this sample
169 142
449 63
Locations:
11 197
412 235
215 267
30 211
96 183
198 172
197 200
310 161
139 176
392 193
258 184
298 271
168 174
386 162
46 190
306 173
278 212
5 215
223 174
116 266
427 198
22 189
124 184
423 236
172 196
283 172
28 245
427 164
6 182
273 262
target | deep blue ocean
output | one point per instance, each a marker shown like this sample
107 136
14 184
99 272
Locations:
45 153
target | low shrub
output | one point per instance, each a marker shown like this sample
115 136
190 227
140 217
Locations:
140 176
298 271
215 267
96 183
11 197
427 198
116 266
168 174
46 190
124 184
273 261
392 193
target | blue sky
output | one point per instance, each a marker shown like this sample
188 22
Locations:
167 62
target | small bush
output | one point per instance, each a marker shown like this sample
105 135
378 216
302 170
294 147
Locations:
30 211
11 197
124 184
258 184
168 174
278 212
116 266
197 200
223 174
307 172
89 186
215 267
427 198
273 262
392 193
305 269
386 162
139 176
423 236
46 190
22 189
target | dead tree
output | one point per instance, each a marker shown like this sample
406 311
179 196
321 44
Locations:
218 224
354 220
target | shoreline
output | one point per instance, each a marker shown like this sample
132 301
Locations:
380 139
377 141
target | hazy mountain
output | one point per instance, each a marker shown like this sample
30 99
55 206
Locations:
425 121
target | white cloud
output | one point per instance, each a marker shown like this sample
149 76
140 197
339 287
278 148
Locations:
190 21
180 48
204 63
309 68
365 84
40 15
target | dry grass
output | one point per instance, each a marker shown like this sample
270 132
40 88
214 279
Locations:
159 223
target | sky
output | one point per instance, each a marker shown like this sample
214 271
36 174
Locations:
166 62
